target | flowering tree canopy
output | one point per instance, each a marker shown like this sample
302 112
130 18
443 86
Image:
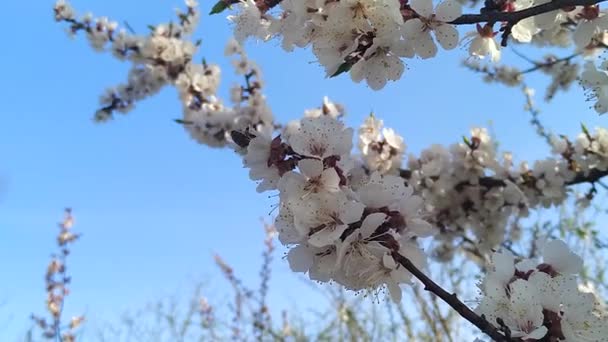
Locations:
358 218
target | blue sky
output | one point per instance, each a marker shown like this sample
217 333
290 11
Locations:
152 204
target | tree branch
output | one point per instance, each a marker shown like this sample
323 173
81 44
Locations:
550 63
515 17
452 300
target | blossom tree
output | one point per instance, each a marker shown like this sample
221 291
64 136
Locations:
359 219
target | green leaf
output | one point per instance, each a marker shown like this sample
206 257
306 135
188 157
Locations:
344 67
152 28
183 122
219 7
466 140
585 130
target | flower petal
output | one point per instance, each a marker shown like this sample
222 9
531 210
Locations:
425 46
583 34
311 168
423 7
412 28
448 11
326 236
300 258
447 36
558 255
371 223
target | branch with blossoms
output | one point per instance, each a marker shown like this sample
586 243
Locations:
492 15
496 12
358 220
370 40
57 282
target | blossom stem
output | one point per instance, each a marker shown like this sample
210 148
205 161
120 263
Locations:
452 300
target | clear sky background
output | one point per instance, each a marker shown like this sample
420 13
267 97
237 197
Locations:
154 205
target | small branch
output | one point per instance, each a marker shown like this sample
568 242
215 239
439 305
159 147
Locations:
452 300
524 57
594 176
550 63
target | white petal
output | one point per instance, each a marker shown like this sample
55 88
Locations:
494 50
423 7
388 261
447 36
342 248
311 168
593 77
558 255
504 266
525 304
394 68
327 236
420 227
425 46
411 251
583 34
553 290
352 212
357 72
371 223
526 265
330 180
477 47
546 20
409 207
412 28
537 334
323 266
377 80
448 11
300 258
394 290
524 30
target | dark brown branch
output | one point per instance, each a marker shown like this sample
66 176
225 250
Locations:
263 5
593 176
452 300
515 17
512 18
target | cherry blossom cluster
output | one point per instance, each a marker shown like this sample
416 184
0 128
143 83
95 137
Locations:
211 123
369 38
469 188
381 148
164 57
536 301
341 226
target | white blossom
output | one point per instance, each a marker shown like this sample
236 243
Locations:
418 30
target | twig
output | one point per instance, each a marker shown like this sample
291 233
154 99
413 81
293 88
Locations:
452 300
550 63
516 16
